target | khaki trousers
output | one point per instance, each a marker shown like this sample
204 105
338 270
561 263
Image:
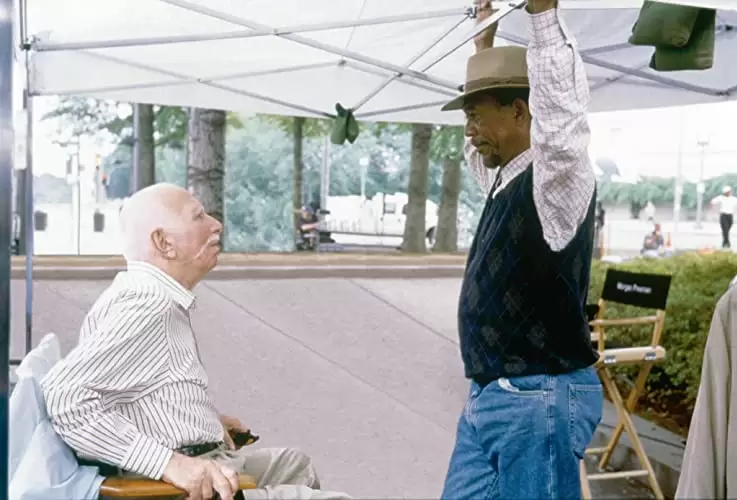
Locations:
280 473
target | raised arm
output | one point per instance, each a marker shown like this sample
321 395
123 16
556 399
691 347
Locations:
560 134
127 351
483 175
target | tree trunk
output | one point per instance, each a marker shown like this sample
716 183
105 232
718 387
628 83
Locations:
446 234
146 145
298 168
206 159
414 228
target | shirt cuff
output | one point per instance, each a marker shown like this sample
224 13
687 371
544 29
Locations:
147 457
546 28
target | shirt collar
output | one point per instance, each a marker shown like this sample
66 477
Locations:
516 166
176 291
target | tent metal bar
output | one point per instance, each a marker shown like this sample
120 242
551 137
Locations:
414 59
219 86
30 227
606 48
177 82
7 148
410 107
348 54
502 13
41 46
371 70
669 82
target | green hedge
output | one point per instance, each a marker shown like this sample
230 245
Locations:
698 282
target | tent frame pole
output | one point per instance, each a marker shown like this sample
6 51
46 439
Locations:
227 88
625 71
41 46
7 138
348 54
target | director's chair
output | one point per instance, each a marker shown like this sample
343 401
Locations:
646 291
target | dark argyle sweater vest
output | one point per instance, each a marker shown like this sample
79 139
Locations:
522 305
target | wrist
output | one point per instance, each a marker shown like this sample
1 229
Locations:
538 6
175 462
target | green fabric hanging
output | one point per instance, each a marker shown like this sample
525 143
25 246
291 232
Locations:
664 24
345 126
698 54
684 37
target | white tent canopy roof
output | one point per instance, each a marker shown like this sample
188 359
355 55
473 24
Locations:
302 57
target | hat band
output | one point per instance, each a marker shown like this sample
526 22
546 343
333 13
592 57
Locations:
482 83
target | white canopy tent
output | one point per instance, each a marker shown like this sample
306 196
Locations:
390 61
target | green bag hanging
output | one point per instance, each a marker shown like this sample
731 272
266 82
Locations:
663 24
698 54
345 126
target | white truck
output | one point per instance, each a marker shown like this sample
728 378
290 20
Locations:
384 215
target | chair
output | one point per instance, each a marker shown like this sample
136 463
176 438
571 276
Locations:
646 291
122 487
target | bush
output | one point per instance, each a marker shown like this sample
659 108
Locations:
698 283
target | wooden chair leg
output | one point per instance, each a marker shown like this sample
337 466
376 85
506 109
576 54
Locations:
629 427
632 399
584 478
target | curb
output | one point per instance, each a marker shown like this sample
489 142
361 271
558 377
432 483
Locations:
260 272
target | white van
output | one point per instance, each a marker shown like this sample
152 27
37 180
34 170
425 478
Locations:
382 215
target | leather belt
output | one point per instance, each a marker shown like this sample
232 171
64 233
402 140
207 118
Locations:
195 450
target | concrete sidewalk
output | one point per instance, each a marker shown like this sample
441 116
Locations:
362 374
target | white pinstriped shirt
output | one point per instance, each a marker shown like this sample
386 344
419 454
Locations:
133 389
563 177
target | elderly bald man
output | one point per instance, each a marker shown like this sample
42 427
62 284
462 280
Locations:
133 392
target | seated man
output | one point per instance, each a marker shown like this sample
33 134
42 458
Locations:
653 244
133 392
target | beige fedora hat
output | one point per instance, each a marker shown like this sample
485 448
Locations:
493 68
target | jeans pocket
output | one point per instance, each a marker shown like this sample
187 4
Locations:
530 385
585 408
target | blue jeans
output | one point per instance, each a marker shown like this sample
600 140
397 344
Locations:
522 437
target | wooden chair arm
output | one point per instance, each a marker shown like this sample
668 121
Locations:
644 320
124 487
632 355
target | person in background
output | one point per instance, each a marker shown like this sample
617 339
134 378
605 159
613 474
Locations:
654 243
727 203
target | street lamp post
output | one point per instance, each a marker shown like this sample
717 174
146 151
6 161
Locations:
364 163
700 188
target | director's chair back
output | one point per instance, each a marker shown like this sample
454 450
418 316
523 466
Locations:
643 291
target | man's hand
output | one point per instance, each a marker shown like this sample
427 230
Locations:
485 39
538 6
200 478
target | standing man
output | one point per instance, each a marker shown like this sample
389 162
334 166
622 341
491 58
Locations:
727 204
535 398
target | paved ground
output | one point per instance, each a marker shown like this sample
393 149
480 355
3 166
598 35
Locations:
362 374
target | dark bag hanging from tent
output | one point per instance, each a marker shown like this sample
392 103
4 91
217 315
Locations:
684 37
664 24
698 54
98 222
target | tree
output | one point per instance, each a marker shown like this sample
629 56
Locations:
146 146
206 158
447 145
414 227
